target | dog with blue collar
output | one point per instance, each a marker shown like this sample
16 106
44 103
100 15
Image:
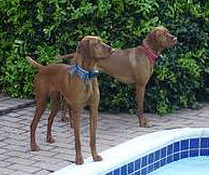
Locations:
58 79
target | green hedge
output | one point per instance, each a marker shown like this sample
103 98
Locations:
45 28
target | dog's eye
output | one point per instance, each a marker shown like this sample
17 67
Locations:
95 44
163 38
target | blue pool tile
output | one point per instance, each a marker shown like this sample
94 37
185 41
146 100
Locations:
144 171
144 161
169 150
204 152
176 156
137 164
176 147
162 162
204 142
124 170
170 159
116 172
157 155
130 167
193 153
137 173
194 143
184 154
184 144
150 158
109 173
156 165
163 153
150 168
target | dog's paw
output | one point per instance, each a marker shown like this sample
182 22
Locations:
97 158
142 122
65 119
35 148
50 140
79 161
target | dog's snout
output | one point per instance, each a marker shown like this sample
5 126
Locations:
175 39
112 50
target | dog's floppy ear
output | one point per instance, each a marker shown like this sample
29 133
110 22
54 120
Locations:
153 35
84 49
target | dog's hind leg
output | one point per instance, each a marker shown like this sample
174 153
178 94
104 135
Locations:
55 99
71 117
64 106
40 108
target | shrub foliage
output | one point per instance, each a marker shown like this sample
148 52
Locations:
45 28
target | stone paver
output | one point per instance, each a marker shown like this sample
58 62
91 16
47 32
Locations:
8 104
17 159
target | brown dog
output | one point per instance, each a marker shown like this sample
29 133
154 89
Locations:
135 65
56 79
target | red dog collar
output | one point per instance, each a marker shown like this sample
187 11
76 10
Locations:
149 53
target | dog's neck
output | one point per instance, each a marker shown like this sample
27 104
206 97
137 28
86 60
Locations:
153 46
85 64
151 55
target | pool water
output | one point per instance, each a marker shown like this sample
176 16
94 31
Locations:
188 166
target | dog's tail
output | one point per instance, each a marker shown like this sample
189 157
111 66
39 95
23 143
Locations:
71 55
34 63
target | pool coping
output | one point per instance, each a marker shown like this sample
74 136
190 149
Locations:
132 150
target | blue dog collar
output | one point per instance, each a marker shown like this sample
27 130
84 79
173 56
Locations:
84 74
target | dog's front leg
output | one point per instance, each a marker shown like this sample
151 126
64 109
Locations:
76 116
140 89
93 127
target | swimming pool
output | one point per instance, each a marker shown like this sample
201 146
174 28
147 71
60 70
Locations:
148 154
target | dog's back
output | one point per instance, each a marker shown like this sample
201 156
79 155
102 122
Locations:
49 79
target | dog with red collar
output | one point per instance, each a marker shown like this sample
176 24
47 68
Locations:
135 65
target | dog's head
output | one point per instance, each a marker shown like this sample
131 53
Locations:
92 47
161 37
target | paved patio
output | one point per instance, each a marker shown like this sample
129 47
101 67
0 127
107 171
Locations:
16 115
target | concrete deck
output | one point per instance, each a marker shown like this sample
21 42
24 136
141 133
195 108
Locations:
16 116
